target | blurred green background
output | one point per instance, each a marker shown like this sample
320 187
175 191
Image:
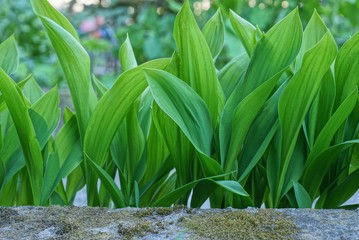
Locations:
104 24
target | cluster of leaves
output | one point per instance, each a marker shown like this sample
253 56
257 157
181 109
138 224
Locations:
278 125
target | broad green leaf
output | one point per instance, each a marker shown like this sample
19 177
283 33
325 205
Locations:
286 32
136 141
260 135
302 196
115 193
232 186
213 32
7 193
45 116
157 153
326 135
182 151
162 172
45 9
346 69
126 55
315 172
299 95
75 63
343 191
32 90
312 34
171 197
231 73
50 174
21 85
243 118
167 186
196 66
245 30
184 107
270 57
9 55
68 156
99 86
322 108
113 107
25 129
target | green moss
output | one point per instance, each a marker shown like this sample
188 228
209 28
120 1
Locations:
138 230
141 213
164 211
241 225
66 227
161 211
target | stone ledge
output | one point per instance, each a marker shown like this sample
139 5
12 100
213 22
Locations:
176 223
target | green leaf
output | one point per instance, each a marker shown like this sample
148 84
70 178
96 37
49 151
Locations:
196 66
115 193
68 156
322 108
45 116
50 174
172 196
243 118
75 63
213 32
9 55
346 69
315 172
286 32
45 9
245 30
232 186
25 129
126 55
32 90
260 135
343 191
302 196
299 95
323 141
184 107
231 73
312 34
113 107
136 141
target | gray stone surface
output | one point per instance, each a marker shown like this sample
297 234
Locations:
176 223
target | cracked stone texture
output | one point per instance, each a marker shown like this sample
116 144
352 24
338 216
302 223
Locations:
176 223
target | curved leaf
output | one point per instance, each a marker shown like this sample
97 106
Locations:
113 107
213 32
75 63
44 8
9 55
299 95
196 66
184 106
25 130
245 30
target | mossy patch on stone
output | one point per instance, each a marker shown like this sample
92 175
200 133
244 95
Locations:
141 229
241 225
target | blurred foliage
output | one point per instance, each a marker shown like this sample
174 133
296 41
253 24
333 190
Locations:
36 54
149 25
